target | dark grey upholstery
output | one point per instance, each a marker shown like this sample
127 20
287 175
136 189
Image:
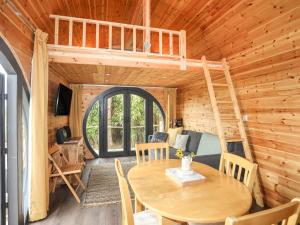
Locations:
211 160
193 141
158 137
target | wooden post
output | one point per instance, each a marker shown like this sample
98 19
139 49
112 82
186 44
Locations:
147 23
182 44
97 35
110 37
84 34
171 43
134 39
160 43
122 38
56 30
70 32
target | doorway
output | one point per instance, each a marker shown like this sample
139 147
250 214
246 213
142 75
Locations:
118 119
14 151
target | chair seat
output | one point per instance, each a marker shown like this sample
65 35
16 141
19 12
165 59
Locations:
69 169
146 217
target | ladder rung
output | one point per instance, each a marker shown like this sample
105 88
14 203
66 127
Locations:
219 85
233 139
217 68
224 102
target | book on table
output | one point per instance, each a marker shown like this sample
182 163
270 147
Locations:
184 177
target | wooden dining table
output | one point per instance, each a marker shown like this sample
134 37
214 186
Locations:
210 201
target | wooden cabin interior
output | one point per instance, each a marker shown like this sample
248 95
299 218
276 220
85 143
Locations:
145 112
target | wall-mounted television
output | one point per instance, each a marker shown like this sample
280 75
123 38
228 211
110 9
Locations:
63 100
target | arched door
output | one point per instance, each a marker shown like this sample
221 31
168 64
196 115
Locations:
118 119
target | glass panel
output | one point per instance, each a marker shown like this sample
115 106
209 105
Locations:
137 120
158 119
92 127
25 127
115 123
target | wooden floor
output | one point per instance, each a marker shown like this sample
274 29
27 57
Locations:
65 211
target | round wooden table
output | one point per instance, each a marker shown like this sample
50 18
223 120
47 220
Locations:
211 201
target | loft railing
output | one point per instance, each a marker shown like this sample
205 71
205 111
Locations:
170 43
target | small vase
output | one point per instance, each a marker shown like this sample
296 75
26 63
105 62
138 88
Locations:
186 163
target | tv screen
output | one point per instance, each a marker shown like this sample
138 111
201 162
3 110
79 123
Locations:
63 100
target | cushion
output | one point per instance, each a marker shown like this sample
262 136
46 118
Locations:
209 145
181 141
146 217
159 137
172 133
193 141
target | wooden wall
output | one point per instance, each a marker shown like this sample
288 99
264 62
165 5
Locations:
89 92
54 122
265 67
19 38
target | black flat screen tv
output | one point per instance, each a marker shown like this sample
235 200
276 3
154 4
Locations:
63 100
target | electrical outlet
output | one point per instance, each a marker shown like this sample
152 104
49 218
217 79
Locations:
245 118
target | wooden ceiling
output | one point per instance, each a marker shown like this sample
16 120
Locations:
109 75
213 26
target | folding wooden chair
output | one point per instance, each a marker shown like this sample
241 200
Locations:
61 168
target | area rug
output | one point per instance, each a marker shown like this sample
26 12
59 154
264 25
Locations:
103 186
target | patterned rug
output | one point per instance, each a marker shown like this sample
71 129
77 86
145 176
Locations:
103 186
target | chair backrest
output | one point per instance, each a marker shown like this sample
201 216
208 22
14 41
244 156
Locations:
53 149
155 151
119 169
127 212
239 168
287 214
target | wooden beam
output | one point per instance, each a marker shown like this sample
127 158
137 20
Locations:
80 55
147 23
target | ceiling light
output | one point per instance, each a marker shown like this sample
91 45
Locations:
107 74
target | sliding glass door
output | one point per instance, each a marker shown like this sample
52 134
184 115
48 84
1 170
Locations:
120 118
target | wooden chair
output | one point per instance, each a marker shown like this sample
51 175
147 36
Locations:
155 151
61 168
239 168
287 214
128 218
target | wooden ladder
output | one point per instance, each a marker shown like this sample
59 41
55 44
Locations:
217 115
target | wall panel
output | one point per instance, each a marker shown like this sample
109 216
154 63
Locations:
54 122
265 68
19 38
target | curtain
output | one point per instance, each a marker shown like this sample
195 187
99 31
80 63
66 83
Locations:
170 96
75 123
38 129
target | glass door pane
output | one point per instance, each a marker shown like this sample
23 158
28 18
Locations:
137 120
158 119
115 123
92 127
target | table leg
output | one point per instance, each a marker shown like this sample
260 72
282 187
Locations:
138 206
166 221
